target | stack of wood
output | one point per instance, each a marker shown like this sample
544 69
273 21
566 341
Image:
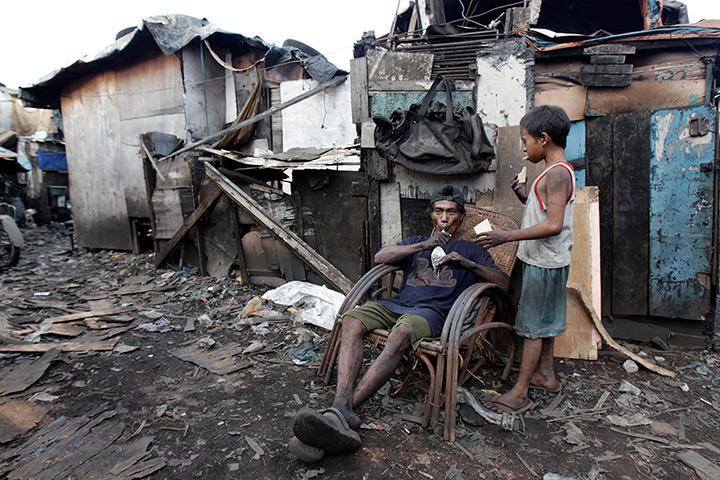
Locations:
607 66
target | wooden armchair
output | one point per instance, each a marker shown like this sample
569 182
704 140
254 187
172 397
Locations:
463 346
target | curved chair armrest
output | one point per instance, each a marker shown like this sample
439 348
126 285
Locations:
464 303
362 286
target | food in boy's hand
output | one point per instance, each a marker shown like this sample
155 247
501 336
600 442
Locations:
482 227
522 176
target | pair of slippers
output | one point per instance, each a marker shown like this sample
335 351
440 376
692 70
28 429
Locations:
322 431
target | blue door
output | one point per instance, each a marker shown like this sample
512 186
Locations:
682 144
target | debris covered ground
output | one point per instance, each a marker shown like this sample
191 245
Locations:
155 375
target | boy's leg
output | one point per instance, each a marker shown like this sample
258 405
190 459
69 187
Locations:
517 396
545 375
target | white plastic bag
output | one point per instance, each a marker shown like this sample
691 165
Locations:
317 304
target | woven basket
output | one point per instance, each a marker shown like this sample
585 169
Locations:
503 255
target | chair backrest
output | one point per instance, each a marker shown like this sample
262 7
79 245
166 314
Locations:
503 255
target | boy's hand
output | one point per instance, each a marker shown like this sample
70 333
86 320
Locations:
438 239
520 189
493 238
455 257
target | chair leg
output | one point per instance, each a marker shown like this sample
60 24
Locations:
328 350
437 397
451 392
429 400
333 351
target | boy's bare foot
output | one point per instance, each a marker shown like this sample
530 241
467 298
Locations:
544 382
509 403
353 420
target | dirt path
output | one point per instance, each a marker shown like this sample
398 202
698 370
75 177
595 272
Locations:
236 425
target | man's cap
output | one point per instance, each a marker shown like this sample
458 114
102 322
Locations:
448 192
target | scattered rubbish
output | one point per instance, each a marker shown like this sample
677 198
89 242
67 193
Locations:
151 314
205 321
43 397
219 360
664 429
189 325
44 327
259 452
659 359
161 325
630 366
705 469
20 377
304 354
124 348
506 421
205 342
555 476
308 474
627 387
317 304
254 347
684 387
258 307
17 418
261 329
373 426
41 294
233 467
634 420
573 434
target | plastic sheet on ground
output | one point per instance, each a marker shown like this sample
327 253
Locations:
316 304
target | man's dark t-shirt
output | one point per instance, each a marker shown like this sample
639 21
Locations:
431 295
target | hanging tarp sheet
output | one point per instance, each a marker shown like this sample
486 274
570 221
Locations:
52 160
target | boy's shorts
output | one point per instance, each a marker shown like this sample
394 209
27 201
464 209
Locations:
543 302
374 315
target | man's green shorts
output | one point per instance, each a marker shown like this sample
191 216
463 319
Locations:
374 316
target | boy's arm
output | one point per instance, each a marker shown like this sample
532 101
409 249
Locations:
557 186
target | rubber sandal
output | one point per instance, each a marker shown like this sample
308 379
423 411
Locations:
326 429
502 408
305 452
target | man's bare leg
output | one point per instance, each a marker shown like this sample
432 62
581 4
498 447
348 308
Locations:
349 363
517 396
545 375
383 367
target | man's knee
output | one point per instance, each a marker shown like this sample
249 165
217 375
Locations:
399 338
353 327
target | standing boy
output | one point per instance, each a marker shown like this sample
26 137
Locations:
545 243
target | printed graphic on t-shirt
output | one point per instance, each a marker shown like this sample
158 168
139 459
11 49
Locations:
423 275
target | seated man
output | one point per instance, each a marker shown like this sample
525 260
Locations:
416 313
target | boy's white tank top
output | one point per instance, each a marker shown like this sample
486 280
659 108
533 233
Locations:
550 252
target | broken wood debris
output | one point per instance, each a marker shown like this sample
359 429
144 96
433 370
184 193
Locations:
219 360
314 260
18 378
18 417
60 346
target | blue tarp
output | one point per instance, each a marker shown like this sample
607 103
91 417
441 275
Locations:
52 160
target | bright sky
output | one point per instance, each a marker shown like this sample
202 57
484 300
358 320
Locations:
42 36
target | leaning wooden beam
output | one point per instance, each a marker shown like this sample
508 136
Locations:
256 118
187 225
313 259
586 303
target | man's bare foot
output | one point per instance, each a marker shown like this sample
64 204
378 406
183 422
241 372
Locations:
509 403
353 420
544 382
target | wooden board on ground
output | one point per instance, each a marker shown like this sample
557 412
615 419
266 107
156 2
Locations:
219 360
581 339
60 346
18 417
18 378
704 468
71 317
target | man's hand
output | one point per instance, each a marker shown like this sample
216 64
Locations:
438 239
493 238
456 258
520 189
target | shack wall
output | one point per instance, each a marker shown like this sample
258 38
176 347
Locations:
103 117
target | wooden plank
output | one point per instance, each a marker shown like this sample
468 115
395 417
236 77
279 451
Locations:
359 90
605 80
614 69
613 49
645 95
219 360
60 346
187 225
18 417
581 339
20 377
71 317
705 469
607 59
324 268
599 158
586 303
390 215
631 217
256 118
